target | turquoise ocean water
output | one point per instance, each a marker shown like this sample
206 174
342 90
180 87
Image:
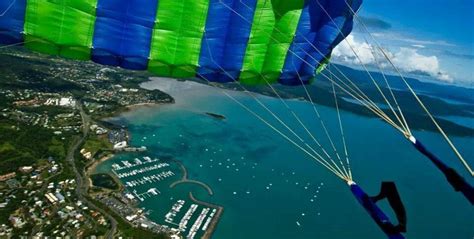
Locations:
267 185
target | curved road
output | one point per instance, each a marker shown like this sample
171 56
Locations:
82 187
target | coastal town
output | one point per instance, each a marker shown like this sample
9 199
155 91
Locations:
53 134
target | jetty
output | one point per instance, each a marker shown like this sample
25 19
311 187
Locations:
185 179
205 186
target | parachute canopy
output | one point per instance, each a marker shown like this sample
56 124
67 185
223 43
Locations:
221 40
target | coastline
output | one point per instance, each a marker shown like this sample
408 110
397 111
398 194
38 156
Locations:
131 107
91 168
139 105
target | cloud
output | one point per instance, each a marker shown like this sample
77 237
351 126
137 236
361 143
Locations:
407 59
345 51
410 60
418 46
426 42
405 39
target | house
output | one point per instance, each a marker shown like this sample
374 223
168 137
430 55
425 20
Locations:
120 145
26 169
7 176
17 222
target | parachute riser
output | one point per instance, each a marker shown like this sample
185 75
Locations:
454 178
375 212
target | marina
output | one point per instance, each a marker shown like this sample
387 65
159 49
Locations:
141 170
136 162
200 223
184 221
145 195
176 208
149 179
197 224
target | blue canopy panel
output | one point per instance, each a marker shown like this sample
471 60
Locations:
123 32
300 47
224 42
12 20
316 37
348 24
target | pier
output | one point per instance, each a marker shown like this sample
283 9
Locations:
148 194
137 162
213 224
149 179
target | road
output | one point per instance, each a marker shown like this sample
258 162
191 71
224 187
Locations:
82 184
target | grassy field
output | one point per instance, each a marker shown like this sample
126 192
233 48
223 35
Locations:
95 144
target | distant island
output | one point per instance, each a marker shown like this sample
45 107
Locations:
216 116
442 100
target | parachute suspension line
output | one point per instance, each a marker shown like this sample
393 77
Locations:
247 6
365 101
316 111
380 68
360 60
289 50
420 102
17 44
276 117
283 135
354 88
312 45
362 99
343 171
375 109
341 128
8 8
319 160
371 103
62 23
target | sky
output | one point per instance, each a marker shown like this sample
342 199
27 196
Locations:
432 39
